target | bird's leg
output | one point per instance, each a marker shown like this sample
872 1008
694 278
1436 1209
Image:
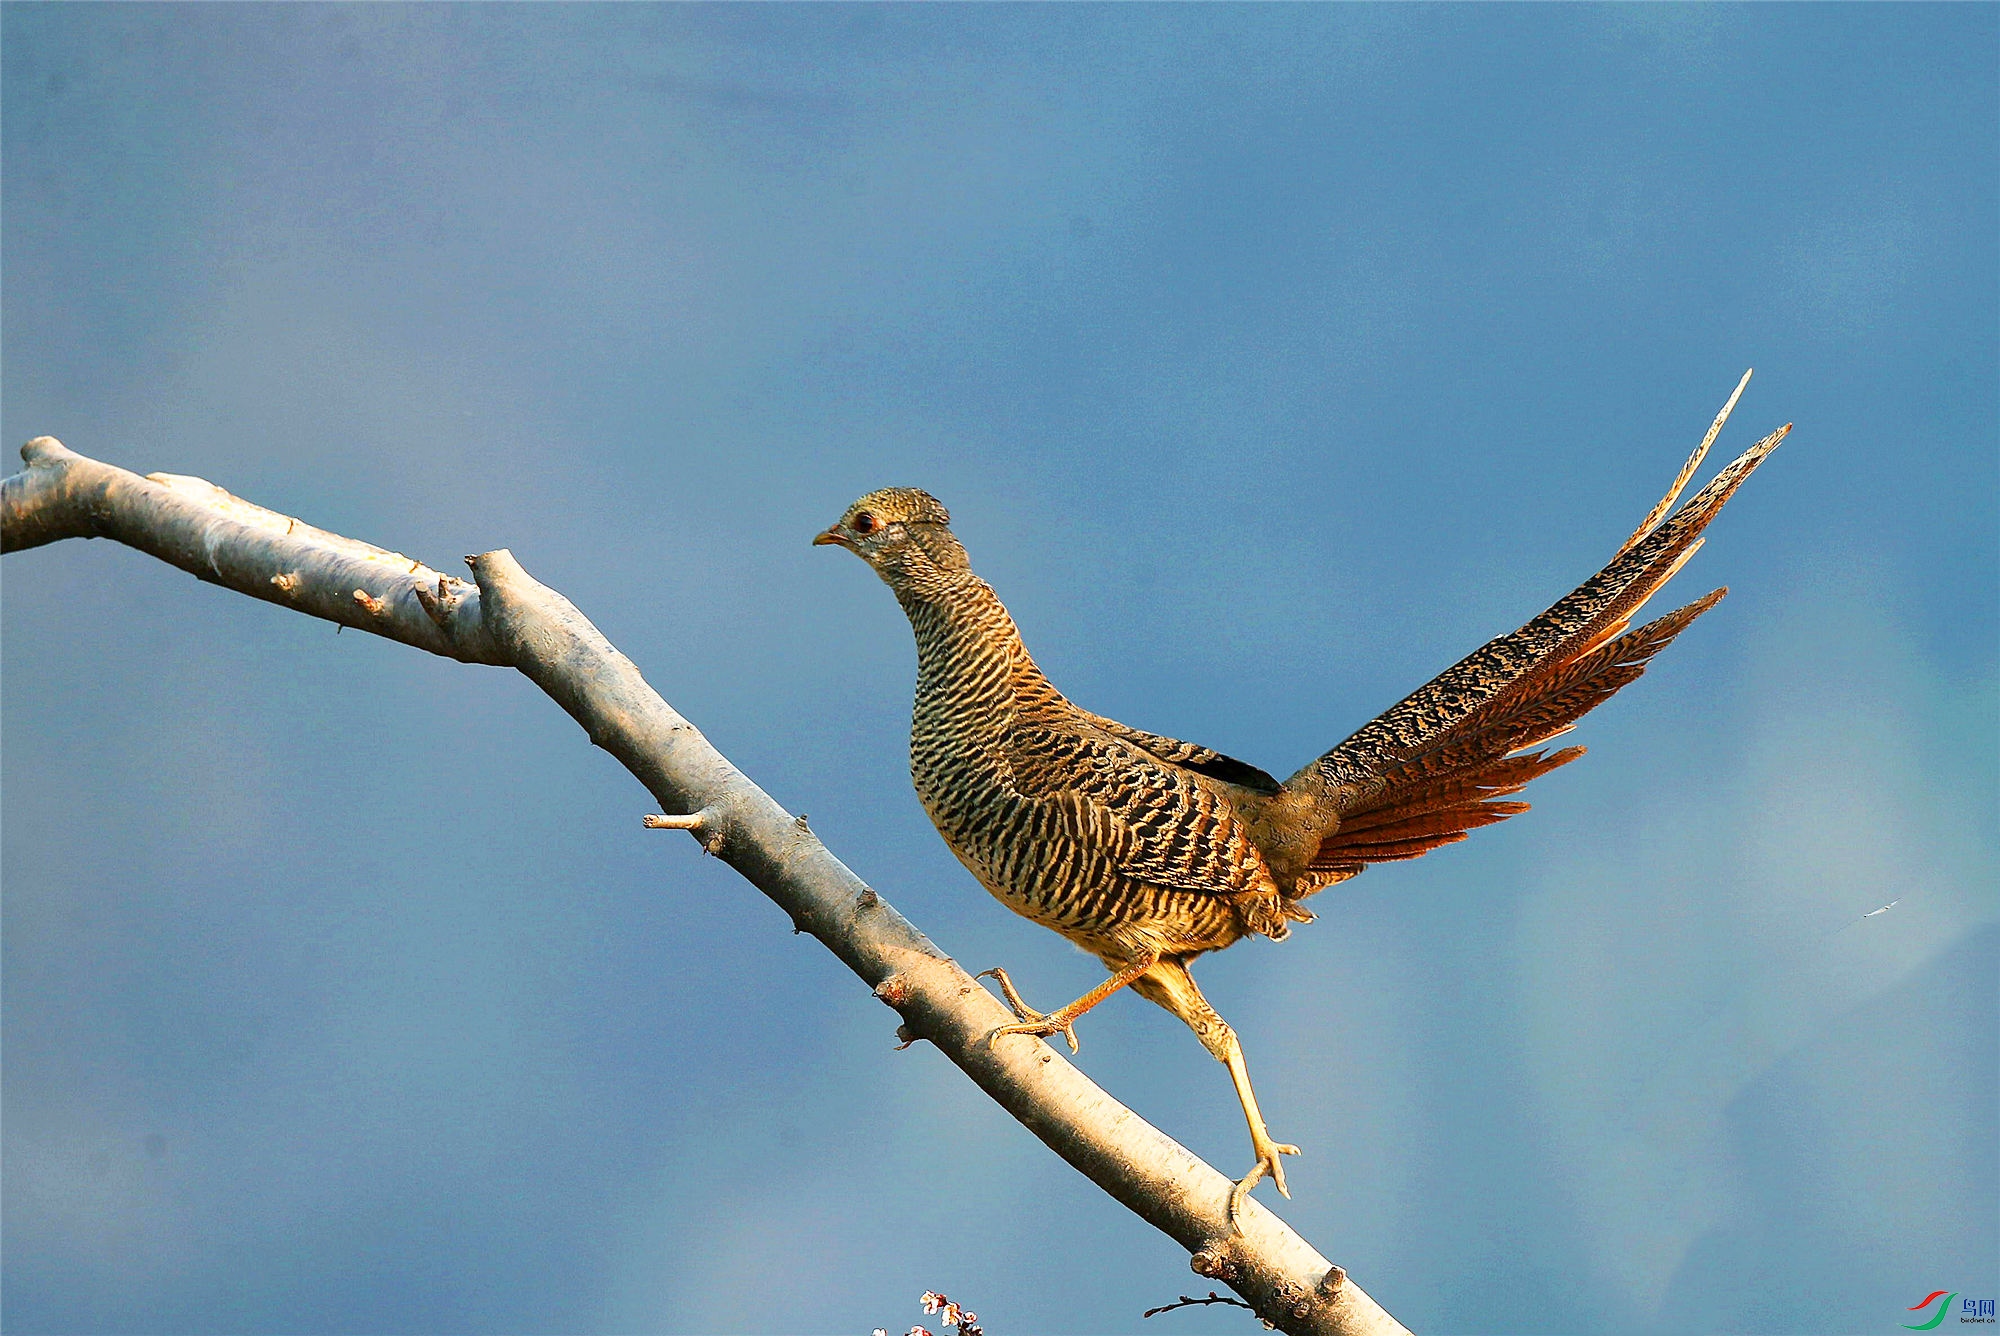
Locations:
1170 985
1061 1021
1267 1150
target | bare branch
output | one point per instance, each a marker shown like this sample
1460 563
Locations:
1186 1301
505 617
225 540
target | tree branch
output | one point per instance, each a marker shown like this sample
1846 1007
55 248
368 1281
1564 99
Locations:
505 617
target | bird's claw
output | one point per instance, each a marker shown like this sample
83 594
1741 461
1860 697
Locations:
1268 1163
1039 1026
1032 1022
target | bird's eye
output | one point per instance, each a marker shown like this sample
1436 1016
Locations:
865 524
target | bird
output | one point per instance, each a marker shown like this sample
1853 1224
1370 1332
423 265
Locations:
1149 852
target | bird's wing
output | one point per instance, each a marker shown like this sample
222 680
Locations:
1192 756
1153 821
1433 766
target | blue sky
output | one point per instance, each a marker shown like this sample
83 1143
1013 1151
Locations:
1269 360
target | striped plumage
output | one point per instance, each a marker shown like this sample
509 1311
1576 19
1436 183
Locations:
1070 824
1148 851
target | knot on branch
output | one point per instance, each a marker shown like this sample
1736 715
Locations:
43 450
373 606
894 990
437 606
1216 1265
1295 1299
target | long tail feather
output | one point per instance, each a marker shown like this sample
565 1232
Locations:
1437 764
1659 511
1453 788
1492 678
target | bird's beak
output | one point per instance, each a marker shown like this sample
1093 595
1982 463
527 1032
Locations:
835 537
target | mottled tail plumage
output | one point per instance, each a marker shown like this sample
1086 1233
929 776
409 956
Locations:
1435 766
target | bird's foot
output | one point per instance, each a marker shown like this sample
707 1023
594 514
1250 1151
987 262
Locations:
1268 1162
1031 1021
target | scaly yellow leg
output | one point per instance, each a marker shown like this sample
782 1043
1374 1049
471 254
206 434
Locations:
1267 1150
1170 985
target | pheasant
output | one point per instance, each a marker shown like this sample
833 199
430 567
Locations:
1148 852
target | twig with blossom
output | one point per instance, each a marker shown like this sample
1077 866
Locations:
962 1321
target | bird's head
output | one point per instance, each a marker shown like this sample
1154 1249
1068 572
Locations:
904 534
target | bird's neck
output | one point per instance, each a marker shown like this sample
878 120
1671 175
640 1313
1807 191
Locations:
968 645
